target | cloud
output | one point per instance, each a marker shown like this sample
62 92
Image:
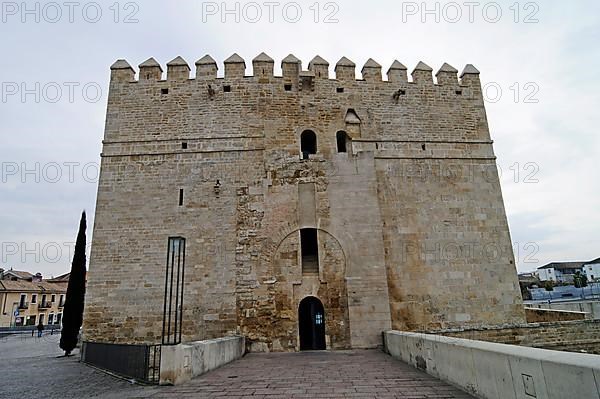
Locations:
558 133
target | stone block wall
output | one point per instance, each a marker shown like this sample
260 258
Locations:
545 315
218 161
571 336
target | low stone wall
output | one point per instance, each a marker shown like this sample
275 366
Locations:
590 306
497 371
571 336
534 315
180 363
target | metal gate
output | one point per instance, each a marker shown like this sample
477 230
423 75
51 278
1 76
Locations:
141 362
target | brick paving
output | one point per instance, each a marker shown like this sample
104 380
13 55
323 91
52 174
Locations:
31 368
348 374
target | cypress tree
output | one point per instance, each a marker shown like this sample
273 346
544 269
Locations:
73 310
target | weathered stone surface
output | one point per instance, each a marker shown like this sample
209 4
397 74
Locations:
411 224
571 336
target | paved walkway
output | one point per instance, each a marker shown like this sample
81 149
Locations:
33 368
351 374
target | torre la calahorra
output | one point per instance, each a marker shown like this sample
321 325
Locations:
302 211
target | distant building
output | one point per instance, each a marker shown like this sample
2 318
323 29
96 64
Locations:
592 270
561 272
26 299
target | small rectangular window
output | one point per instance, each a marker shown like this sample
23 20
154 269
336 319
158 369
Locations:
184 145
287 87
164 91
33 298
459 92
339 90
180 196
226 88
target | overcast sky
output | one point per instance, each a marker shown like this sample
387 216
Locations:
538 60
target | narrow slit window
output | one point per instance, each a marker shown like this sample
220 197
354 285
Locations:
308 143
309 248
181 197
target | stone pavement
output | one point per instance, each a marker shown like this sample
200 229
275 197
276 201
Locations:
347 374
31 368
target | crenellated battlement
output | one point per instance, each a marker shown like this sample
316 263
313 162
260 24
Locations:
318 68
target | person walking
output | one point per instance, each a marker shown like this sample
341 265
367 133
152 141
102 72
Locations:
40 329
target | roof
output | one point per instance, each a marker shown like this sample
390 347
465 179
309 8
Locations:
23 275
150 63
421 66
345 62
318 60
290 59
206 60
593 262
121 64
234 59
63 278
262 57
563 265
397 65
29 286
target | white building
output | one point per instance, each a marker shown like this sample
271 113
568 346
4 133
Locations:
561 272
546 274
592 270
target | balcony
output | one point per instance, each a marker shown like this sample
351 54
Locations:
24 305
45 305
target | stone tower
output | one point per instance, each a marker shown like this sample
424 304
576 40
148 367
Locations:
230 204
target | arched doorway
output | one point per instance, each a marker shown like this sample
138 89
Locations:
311 324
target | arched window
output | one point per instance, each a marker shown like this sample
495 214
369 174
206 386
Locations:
308 143
342 140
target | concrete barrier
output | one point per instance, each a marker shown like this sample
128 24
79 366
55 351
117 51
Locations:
180 363
498 371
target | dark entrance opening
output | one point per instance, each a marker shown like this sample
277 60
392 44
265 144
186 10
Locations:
308 143
311 322
341 139
310 251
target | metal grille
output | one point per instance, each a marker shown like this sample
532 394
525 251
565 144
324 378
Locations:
141 362
173 304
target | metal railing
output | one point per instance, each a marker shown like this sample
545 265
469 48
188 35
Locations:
141 362
45 305
173 300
